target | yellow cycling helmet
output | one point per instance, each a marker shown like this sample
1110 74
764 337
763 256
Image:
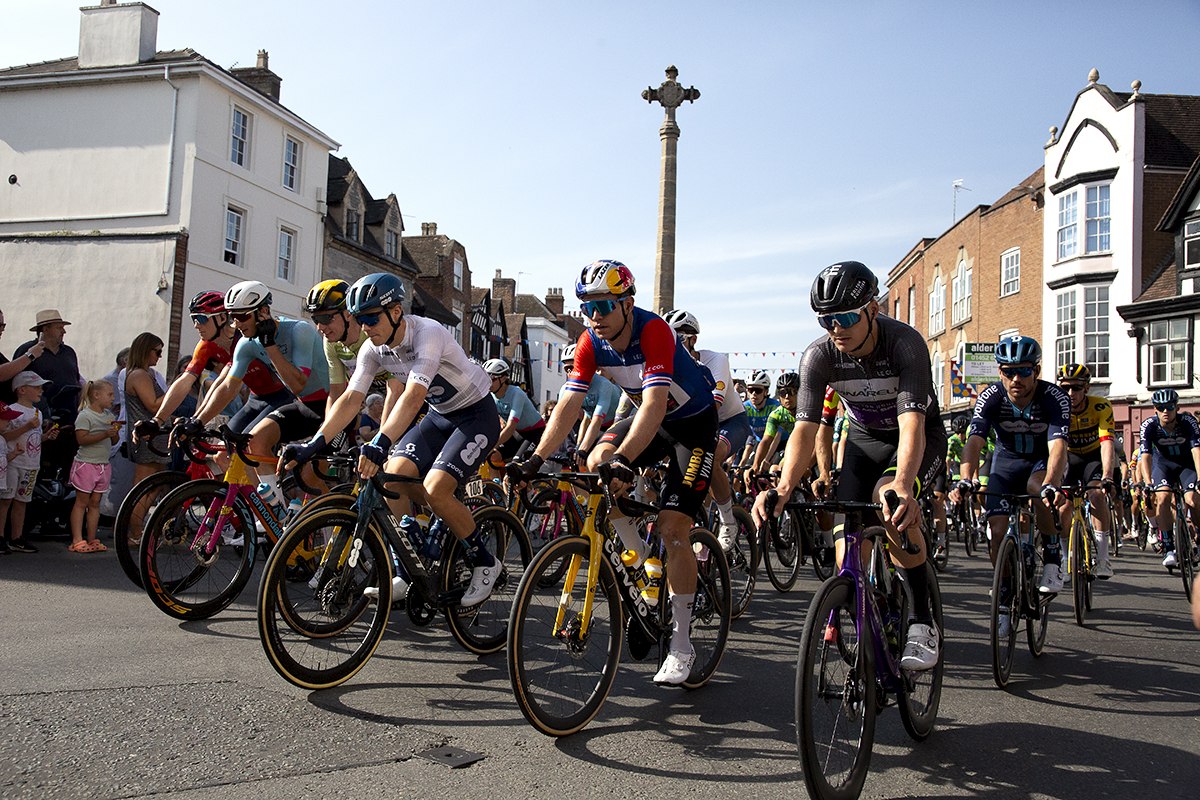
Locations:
327 296
1074 372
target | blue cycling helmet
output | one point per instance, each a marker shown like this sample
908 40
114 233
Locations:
1165 397
1018 349
379 290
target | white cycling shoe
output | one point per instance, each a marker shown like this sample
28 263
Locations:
1103 569
1052 581
483 581
1170 560
921 649
1003 626
725 535
399 590
676 668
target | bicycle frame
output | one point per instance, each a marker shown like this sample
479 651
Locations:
237 484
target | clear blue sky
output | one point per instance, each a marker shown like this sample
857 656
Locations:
825 131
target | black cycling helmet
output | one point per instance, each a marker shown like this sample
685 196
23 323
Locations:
788 380
847 286
960 424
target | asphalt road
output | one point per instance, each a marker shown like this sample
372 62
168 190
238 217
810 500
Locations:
103 696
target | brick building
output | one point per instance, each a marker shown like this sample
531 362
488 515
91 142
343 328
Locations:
977 281
445 275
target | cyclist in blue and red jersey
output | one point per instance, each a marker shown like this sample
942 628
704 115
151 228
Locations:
676 419
1170 457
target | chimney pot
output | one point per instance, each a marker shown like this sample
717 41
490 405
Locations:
112 35
262 59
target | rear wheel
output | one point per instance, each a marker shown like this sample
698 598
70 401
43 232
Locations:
132 515
1035 629
780 547
1006 611
968 528
709 628
1185 549
923 690
1079 570
743 562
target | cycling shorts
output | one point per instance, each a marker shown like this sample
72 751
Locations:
1081 469
689 444
456 442
734 432
1167 474
521 443
299 419
868 459
258 408
1010 475
939 483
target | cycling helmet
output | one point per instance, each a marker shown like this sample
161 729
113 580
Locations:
605 277
379 290
1074 372
207 303
1018 349
759 378
788 380
497 367
247 296
682 322
327 296
960 424
1165 397
568 353
847 286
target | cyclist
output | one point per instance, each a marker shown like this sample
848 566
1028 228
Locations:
1090 453
758 408
1120 477
445 447
676 419
599 404
522 422
1170 457
780 422
733 427
1031 418
880 369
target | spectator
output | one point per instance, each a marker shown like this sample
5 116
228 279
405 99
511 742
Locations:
144 390
7 415
95 431
113 380
23 468
548 408
368 423
59 365
9 369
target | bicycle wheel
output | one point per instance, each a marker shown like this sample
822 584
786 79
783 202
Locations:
835 696
780 545
560 673
188 583
824 562
1035 630
940 558
709 629
1185 553
923 690
1079 570
483 628
1006 593
314 623
132 515
546 521
969 532
743 562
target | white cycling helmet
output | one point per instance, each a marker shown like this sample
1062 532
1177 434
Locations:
247 296
682 322
568 353
605 277
759 378
496 366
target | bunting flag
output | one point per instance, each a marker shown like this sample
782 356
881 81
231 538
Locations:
958 387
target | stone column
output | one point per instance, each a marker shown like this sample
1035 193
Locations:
671 95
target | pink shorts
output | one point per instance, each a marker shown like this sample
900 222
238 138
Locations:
90 477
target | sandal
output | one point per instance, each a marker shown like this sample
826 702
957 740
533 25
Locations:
95 546
79 547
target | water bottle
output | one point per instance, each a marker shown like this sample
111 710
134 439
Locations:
294 508
637 570
654 575
412 529
432 548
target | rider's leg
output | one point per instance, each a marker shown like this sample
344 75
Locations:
939 519
723 496
1165 517
681 575
1102 523
263 439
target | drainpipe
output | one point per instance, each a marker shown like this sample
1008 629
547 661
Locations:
171 145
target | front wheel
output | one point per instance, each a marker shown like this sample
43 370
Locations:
131 517
1006 610
1079 571
561 660
1039 621
923 690
835 695
1185 550
743 562
780 547
709 629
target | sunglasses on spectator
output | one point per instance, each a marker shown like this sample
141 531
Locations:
158 351
1165 408
242 317
323 319
1016 372
1072 387
844 319
602 307
368 319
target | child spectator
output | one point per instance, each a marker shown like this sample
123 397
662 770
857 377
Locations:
95 431
23 466
7 415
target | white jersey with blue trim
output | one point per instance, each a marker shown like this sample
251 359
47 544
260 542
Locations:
718 365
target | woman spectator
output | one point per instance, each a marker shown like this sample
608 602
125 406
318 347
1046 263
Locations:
144 390
368 423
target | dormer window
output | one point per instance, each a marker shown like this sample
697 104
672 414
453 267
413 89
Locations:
353 223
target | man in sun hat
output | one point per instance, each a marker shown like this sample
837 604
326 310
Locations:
59 365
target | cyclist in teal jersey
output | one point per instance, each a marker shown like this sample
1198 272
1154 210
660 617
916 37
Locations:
522 424
599 405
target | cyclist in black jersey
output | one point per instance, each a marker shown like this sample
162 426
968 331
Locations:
1032 419
880 368
1170 457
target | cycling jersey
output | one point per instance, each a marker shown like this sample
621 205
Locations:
954 448
342 358
782 422
758 416
654 357
260 378
1091 426
427 354
1025 433
515 404
829 409
300 344
891 380
1175 446
602 399
718 365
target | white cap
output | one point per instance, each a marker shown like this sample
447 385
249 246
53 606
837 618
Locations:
28 378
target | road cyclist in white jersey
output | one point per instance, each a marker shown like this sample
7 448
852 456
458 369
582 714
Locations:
880 369
446 446
733 426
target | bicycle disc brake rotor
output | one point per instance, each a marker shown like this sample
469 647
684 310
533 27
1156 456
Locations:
573 637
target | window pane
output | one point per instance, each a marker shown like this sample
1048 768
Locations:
1179 362
1192 252
1179 328
1068 214
1158 331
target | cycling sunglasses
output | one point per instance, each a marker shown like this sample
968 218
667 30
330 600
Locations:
783 392
756 390
367 319
1165 408
591 308
243 316
201 319
1072 387
844 319
323 319
1016 372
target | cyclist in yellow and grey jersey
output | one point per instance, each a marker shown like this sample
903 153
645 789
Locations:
1090 456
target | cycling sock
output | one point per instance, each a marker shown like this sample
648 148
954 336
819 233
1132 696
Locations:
941 536
627 530
1052 551
1168 538
918 581
726 511
681 621
1101 538
477 553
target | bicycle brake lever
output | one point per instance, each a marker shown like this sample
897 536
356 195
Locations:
892 500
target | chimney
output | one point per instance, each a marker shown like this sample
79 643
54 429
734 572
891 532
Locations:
112 35
554 301
259 77
429 229
505 289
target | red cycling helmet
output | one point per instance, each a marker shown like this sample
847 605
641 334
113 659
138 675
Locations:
207 303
